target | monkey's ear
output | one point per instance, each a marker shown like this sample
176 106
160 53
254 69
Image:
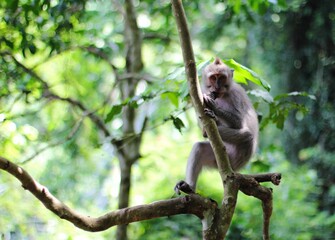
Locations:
217 61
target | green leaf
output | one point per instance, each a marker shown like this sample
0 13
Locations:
280 121
172 96
243 73
282 3
133 104
178 74
236 5
116 109
294 94
266 96
178 123
240 78
32 48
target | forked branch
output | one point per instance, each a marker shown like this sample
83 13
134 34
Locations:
219 221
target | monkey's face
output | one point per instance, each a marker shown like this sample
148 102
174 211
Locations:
217 78
218 83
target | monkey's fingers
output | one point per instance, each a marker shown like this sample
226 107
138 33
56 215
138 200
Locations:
183 186
210 113
209 101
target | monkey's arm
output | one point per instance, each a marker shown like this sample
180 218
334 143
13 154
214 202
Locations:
233 120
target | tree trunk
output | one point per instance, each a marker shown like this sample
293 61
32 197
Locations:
128 147
125 184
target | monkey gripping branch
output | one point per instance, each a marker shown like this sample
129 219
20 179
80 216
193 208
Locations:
215 219
216 224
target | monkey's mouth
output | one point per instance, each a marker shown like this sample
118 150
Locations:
214 95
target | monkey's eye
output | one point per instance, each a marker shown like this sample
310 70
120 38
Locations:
226 86
212 78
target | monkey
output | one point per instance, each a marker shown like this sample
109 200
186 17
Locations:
228 104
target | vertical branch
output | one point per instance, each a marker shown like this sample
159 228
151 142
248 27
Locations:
188 56
251 187
216 225
267 212
195 91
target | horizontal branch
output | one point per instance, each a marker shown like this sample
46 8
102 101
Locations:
155 35
266 177
190 204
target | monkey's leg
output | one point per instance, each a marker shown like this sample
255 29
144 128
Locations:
201 155
235 136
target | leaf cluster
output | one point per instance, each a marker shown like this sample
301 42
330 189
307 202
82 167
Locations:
29 26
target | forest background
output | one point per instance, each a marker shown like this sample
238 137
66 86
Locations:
97 109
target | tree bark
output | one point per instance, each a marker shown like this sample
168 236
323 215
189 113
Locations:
128 148
125 185
216 223
215 220
204 208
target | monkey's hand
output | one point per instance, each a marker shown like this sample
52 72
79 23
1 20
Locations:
210 113
183 186
209 101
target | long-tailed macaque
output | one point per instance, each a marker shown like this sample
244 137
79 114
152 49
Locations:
228 103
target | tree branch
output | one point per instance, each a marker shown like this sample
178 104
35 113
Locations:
154 35
266 177
90 114
224 215
50 95
216 224
191 204
251 187
195 91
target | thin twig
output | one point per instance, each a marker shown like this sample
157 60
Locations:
74 130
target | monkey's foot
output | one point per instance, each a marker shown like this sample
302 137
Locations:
183 186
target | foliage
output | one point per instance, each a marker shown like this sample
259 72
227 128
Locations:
75 49
29 26
242 74
306 63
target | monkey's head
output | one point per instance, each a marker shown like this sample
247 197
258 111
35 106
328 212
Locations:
217 78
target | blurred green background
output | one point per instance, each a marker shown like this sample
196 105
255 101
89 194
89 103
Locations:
64 61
